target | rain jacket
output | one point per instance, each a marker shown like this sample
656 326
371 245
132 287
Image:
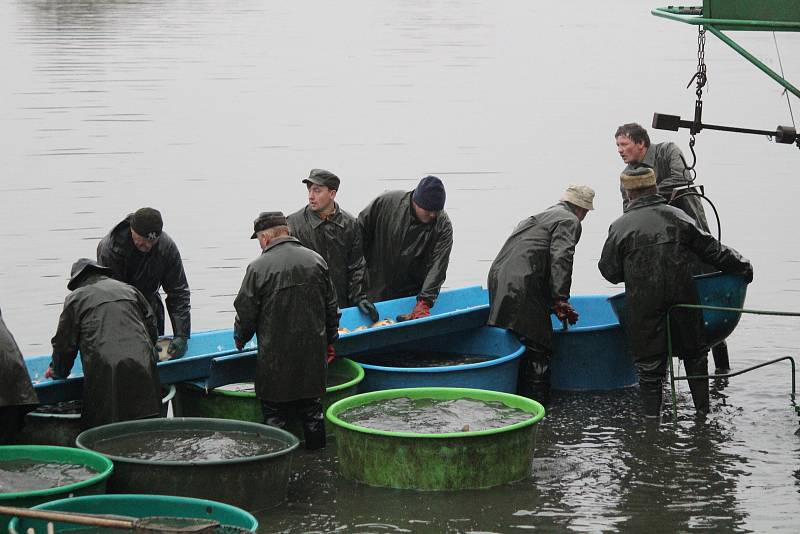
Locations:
161 267
665 160
287 299
15 383
114 328
338 240
652 247
533 269
404 256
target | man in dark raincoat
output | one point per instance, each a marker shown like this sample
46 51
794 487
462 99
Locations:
531 277
333 233
138 252
653 248
113 327
17 396
288 301
666 160
407 239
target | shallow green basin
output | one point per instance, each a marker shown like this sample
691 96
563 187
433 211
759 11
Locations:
63 455
453 461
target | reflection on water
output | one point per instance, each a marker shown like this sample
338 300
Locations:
213 111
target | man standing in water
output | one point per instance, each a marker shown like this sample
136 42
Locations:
407 239
113 327
666 160
287 300
651 248
531 277
17 396
333 233
139 253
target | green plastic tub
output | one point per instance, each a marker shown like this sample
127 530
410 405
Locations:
244 406
253 483
137 506
64 455
454 461
62 429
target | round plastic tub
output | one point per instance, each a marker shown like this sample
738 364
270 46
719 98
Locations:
452 461
63 428
244 406
253 483
497 374
63 455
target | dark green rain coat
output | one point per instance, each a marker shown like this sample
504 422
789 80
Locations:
338 241
112 325
17 396
287 299
404 256
653 248
160 267
533 269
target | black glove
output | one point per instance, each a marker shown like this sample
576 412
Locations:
177 347
368 308
748 273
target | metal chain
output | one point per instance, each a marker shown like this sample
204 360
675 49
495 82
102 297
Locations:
700 78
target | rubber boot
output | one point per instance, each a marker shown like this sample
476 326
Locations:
534 376
310 411
652 397
722 364
275 414
698 386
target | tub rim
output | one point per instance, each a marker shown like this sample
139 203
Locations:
446 368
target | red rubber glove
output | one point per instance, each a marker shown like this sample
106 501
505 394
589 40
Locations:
239 344
49 372
422 309
565 312
331 354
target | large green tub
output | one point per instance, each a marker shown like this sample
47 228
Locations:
253 483
42 428
64 455
137 506
454 461
222 403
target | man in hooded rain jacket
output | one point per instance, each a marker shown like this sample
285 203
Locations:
666 160
139 253
334 234
288 301
407 238
653 248
17 396
531 277
113 327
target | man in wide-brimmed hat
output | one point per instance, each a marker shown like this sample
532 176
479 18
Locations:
531 277
287 300
651 248
139 252
113 327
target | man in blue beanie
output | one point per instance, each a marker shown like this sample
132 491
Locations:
407 238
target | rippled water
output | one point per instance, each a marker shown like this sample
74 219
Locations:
214 111
19 476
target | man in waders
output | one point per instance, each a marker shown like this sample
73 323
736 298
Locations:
113 327
666 160
334 234
407 239
17 396
651 248
531 277
288 301
139 253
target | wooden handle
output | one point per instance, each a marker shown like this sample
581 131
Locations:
68 517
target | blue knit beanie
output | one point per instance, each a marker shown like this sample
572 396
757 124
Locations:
429 194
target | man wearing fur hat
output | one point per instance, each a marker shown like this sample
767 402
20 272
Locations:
113 327
288 301
140 253
531 277
651 248
407 239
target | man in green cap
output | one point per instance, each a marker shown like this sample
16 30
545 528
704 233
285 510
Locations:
140 253
333 233
651 248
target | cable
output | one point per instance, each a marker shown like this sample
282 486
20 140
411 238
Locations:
780 63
